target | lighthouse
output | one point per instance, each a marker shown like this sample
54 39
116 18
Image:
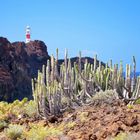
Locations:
28 34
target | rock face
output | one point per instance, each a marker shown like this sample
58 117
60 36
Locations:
19 62
83 59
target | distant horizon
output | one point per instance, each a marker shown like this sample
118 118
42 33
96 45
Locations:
110 29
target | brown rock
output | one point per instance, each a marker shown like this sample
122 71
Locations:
19 62
131 121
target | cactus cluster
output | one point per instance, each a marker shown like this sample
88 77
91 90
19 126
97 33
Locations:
57 89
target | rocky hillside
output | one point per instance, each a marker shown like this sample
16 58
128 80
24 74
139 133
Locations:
19 62
83 59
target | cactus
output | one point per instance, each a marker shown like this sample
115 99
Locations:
54 91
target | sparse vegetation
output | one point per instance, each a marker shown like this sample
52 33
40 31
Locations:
30 109
130 106
39 132
3 124
83 116
14 131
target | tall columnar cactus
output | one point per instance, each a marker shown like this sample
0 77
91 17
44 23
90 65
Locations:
134 80
55 91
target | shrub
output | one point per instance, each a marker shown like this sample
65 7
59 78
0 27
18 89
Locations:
30 109
3 124
137 101
70 125
39 132
83 116
14 131
130 106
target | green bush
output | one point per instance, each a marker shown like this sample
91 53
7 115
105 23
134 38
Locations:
130 106
3 124
39 132
137 101
14 131
30 109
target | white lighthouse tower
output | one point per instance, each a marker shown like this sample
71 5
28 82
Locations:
28 34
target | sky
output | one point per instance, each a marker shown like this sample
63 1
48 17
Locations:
108 28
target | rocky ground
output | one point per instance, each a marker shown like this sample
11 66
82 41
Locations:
91 122
101 122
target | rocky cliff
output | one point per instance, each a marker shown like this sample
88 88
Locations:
19 62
